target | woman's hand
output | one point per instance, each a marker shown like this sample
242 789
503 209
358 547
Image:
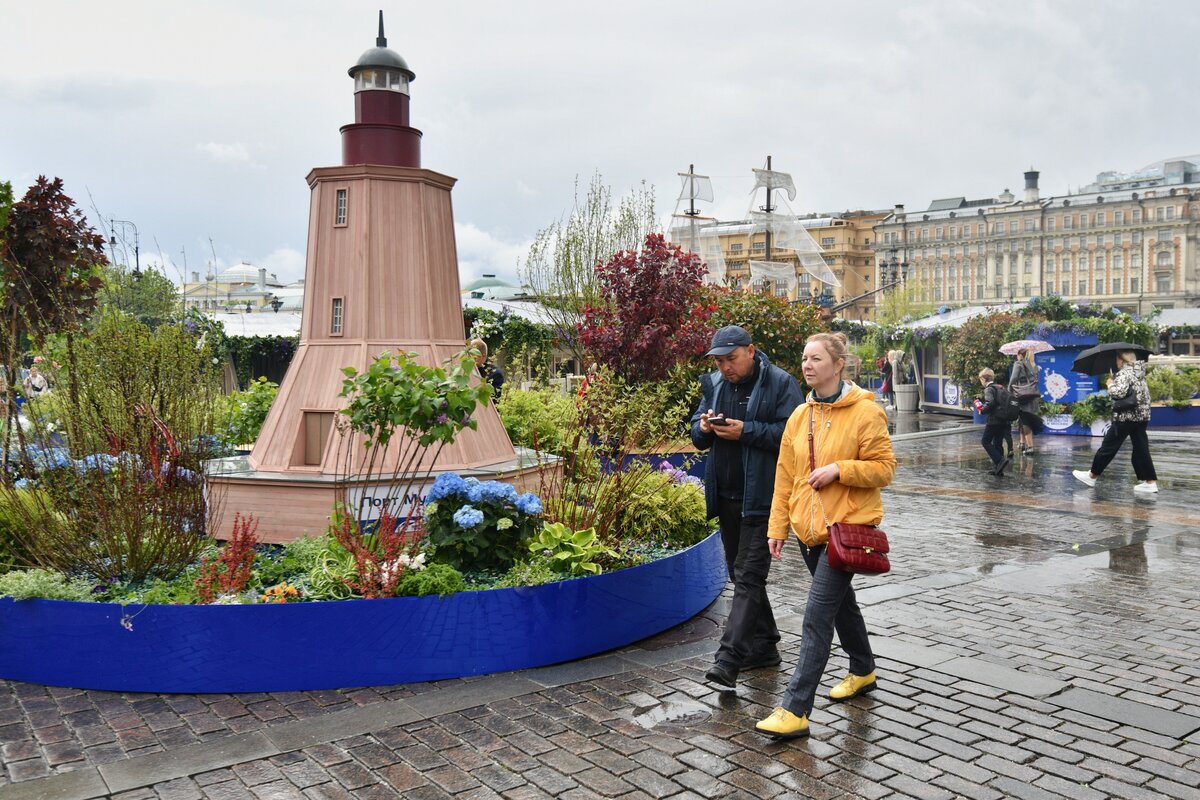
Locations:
776 547
823 476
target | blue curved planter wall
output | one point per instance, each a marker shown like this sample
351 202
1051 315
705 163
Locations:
265 648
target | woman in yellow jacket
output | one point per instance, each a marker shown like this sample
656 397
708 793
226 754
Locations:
854 460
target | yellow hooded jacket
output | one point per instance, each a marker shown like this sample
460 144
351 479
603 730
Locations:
852 431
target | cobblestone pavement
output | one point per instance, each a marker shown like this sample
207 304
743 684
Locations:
1035 638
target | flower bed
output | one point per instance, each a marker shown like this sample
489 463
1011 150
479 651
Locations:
326 645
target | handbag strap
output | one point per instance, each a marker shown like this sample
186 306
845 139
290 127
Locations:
812 466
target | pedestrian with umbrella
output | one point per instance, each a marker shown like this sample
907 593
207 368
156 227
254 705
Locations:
1023 385
1131 410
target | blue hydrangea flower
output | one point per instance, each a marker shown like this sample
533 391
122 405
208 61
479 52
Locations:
48 457
528 504
446 485
21 484
474 492
495 491
101 462
468 517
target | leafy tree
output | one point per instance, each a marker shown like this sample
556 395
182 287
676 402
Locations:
149 297
778 327
904 303
654 313
976 345
560 267
50 265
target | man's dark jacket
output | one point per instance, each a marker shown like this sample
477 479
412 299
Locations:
772 400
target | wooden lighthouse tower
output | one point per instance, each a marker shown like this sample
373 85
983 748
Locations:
381 275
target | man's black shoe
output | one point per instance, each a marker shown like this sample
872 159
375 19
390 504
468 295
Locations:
999 470
769 658
722 675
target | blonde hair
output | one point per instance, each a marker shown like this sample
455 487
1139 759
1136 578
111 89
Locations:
481 346
1026 355
987 373
1126 357
836 344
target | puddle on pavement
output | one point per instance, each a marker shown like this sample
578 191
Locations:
672 712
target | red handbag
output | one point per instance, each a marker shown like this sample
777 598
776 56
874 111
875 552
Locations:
861 549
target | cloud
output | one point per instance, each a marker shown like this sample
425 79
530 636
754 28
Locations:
233 153
480 252
285 262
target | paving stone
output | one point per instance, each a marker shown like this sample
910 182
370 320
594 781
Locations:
1128 712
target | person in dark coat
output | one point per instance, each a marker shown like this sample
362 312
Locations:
740 421
487 370
996 428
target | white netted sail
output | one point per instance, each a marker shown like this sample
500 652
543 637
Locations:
778 271
789 233
695 187
699 235
772 179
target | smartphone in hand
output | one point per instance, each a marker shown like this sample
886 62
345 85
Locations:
718 421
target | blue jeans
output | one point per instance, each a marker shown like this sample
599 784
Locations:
831 605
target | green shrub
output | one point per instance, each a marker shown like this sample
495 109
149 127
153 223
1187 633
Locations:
534 572
26 584
666 511
127 500
273 565
439 579
542 417
1093 407
15 528
1171 386
243 413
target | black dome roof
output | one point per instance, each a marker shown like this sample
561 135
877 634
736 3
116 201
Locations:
382 57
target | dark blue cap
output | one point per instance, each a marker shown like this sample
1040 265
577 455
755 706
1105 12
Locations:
728 339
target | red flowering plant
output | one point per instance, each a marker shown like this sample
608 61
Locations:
229 573
654 314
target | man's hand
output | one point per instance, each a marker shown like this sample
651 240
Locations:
776 547
704 418
731 430
823 476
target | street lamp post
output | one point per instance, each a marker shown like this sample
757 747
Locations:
113 223
892 272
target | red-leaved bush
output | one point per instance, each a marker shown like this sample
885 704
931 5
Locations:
232 569
655 314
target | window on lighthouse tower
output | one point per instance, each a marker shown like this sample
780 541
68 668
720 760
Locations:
375 78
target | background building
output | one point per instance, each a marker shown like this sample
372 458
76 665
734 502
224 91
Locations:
846 240
1126 240
240 288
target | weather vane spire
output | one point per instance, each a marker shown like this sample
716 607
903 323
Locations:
381 40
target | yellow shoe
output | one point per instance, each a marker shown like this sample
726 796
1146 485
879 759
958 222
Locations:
783 724
852 686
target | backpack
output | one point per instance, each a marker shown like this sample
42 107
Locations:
1006 407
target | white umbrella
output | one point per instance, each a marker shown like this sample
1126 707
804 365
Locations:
1033 345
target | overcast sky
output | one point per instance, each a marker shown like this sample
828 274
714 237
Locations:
198 121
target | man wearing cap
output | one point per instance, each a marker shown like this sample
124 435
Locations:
741 417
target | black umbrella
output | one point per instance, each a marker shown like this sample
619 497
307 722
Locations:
1103 357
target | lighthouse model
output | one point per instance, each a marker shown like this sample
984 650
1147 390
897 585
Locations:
381 275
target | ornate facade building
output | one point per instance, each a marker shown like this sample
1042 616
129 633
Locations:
1126 240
